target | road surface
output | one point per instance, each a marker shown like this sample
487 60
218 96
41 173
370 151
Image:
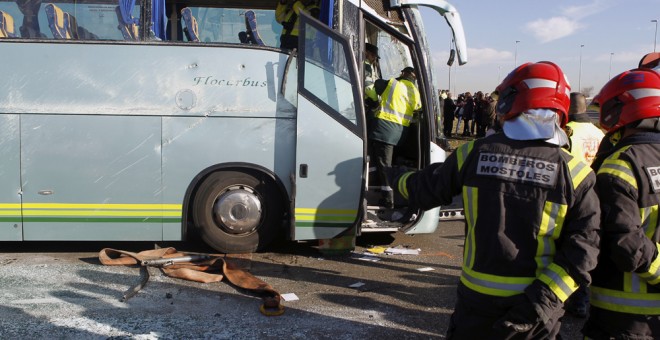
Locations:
60 290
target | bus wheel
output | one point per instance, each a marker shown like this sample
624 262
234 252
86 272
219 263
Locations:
236 212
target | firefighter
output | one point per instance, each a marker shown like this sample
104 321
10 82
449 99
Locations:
287 13
625 295
532 214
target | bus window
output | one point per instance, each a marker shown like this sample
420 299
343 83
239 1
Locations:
86 20
326 73
394 54
226 25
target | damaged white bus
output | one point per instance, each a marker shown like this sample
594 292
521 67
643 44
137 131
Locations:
148 120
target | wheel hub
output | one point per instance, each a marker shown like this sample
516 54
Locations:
237 210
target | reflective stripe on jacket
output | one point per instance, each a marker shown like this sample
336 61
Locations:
399 101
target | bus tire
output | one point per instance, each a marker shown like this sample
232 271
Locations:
236 212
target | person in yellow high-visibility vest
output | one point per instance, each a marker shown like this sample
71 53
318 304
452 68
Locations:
584 138
287 14
399 101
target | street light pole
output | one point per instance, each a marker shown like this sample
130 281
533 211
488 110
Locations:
580 72
609 75
515 55
655 37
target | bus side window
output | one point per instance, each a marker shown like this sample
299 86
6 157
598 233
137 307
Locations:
251 34
64 25
7 28
190 28
128 29
61 23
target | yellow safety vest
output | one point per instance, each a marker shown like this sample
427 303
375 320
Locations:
399 102
585 140
284 14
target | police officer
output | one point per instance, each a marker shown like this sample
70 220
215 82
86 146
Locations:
400 99
287 13
371 67
532 215
371 75
625 295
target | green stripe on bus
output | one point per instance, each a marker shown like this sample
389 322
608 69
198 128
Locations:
10 219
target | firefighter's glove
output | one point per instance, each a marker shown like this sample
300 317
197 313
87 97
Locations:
521 317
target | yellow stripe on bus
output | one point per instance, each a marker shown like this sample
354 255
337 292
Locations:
100 206
10 205
325 211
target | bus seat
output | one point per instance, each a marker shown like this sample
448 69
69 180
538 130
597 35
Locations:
7 29
62 24
190 25
128 30
251 34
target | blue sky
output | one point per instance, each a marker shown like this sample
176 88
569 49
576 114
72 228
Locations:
547 30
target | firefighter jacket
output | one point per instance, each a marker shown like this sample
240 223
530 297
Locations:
627 278
531 211
398 102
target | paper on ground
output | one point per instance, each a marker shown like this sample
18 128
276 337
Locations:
402 251
357 285
289 297
369 258
425 269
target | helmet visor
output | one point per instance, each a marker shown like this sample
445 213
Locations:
610 112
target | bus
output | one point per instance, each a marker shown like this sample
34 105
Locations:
152 120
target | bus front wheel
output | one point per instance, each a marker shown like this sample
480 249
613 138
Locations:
236 212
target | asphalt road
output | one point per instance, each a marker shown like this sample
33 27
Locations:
60 290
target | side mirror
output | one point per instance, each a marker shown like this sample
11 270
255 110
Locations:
452 56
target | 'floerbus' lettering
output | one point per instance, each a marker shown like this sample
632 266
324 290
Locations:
212 81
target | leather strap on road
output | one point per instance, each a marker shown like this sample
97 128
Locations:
209 268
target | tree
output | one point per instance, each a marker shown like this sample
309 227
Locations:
587 91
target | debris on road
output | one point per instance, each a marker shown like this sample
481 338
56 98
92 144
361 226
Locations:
290 297
402 251
425 269
357 285
204 268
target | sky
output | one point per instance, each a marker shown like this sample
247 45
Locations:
615 35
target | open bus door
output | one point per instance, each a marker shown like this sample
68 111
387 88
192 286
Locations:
452 17
331 135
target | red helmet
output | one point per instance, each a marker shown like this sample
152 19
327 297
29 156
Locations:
540 85
631 96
